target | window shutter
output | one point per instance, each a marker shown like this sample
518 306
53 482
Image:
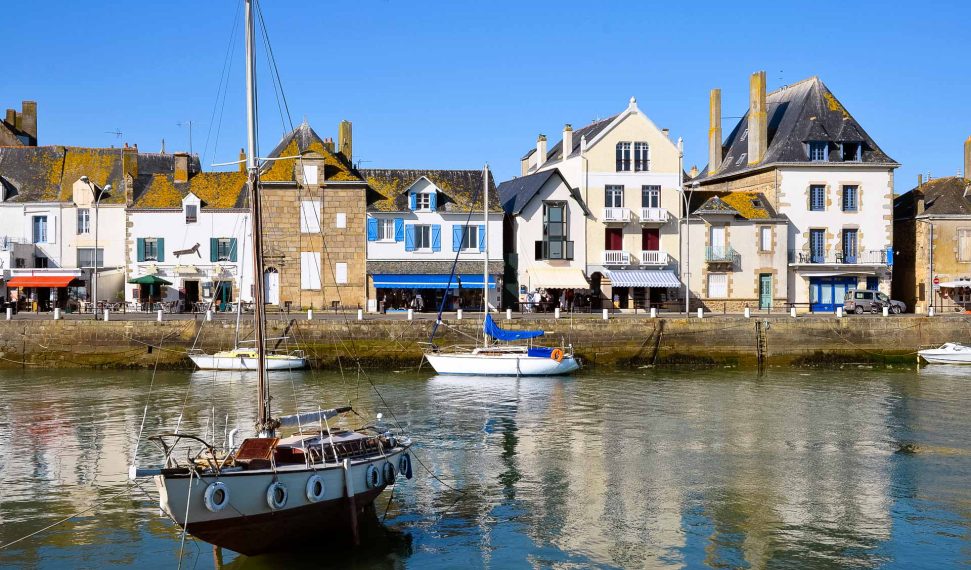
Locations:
436 237
482 237
433 201
232 250
409 238
214 249
457 237
141 249
161 249
412 201
399 229
372 229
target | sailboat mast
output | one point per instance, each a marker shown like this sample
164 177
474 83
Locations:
485 261
264 425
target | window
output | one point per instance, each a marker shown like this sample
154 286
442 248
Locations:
554 244
470 237
964 245
86 257
20 263
623 157
310 270
84 221
614 196
224 247
41 262
386 230
151 249
817 198
641 157
717 285
423 201
849 246
340 272
310 216
765 238
309 173
191 213
817 151
817 245
650 196
423 236
850 198
851 151
40 229
341 221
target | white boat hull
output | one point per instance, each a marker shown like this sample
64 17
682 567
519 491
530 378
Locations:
512 364
212 362
948 355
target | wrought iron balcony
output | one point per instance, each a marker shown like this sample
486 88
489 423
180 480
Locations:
616 215
649 257
654 215
615 257
825 257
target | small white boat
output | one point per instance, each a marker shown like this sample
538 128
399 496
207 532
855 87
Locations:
947 353
505 361
247 359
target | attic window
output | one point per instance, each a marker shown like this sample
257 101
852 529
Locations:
851 151
817 151
741 159
744 135
756 202
191 213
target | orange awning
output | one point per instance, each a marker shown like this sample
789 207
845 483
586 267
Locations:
40 281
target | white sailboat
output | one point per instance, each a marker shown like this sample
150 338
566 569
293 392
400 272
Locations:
275 490
493 359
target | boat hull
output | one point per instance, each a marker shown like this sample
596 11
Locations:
211 362
949 353
501 365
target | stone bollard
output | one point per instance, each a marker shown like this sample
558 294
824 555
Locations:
792 312
458 314
886 311
9 313
653 312
930 311
209 315
411 314
701 312
106 315
556 313
606 315
159 317
57 314
360 314
508 314
839 312
310 314
748 313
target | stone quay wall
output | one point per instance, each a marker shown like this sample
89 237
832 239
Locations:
376 342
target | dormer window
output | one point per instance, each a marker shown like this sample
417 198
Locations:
851 151
817 151
424 201
191 213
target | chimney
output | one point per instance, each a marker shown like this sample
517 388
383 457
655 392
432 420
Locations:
181 173
967 158
919 201
920 180
666 132
11 118
540 150
758 123
329 144
28 121
344 140
567 140
714 131
693 172
242 160
129 161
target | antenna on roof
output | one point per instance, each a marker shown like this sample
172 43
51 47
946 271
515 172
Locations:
189 124
117 132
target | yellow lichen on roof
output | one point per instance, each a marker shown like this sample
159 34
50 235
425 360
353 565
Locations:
389 189
217 189
97 165
160 193
742 203
282 170
835 105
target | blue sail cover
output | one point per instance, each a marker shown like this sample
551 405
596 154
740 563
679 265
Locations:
492 329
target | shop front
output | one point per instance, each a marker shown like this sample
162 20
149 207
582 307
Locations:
38 291
544 289
642 288
426 292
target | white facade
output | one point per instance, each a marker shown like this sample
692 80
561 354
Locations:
195 256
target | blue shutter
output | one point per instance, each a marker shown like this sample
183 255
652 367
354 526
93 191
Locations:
399 229
161 249
372 229
141 249
433 201
436 237
214 249
412 202
457 237
482 242
409 238
232 250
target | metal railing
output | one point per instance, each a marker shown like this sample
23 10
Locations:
616 215
649 257
721 254
866 257
654 215
614 257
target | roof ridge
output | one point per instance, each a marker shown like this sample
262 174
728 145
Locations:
814 78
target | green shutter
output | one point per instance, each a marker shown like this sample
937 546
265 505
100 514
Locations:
232 250
214 249
161 249
141 249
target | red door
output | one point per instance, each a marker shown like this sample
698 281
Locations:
614 239
651 239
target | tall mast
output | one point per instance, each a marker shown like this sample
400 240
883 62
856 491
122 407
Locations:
485 262
264 423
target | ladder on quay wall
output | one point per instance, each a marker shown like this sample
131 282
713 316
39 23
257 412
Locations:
761 343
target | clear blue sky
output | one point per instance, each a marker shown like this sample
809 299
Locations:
458 84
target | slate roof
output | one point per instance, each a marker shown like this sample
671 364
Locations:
48 173
590 131
799 113
303 140
217 190
942 196
746 205
518 192
459 189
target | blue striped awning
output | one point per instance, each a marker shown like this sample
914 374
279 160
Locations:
643 278
430 281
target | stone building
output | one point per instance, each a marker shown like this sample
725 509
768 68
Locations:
932 240
812 162
314 235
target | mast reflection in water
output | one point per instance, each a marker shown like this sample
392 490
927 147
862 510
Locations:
711 469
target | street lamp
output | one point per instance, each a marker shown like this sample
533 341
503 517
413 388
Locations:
98 195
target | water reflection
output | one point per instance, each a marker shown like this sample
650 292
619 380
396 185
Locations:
848 469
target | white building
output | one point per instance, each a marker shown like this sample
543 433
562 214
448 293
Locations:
422 222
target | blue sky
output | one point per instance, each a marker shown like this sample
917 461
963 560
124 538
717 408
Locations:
458 84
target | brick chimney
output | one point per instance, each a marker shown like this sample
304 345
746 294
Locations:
714 131
540 150
344 140
28 121
567 140
758 123
181 173
242 160
967 158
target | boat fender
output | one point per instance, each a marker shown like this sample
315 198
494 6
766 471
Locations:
217 496
557 354
276 495
315 489
388 473
404 465
372 477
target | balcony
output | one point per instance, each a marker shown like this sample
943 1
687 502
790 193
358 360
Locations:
654 257
651 216
616 215
553 249
722 255
873 257
616 258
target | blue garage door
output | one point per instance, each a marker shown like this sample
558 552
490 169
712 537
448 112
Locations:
827 293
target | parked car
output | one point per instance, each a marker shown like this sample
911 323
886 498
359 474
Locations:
861 301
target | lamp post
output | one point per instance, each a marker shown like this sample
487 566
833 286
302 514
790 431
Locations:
98 194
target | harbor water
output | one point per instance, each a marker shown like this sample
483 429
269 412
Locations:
838 469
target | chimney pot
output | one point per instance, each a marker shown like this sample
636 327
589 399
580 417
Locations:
714 131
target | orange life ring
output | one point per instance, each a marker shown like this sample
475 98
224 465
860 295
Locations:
557 355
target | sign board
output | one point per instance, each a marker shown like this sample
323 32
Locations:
937 283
